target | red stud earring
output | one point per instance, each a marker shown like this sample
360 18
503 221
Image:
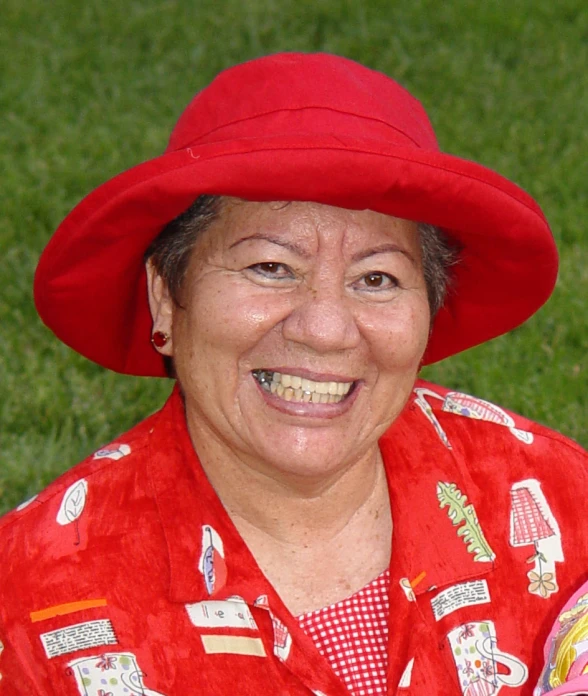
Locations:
159 339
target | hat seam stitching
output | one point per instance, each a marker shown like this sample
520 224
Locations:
302 108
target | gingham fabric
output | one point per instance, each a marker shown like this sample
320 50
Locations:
353 636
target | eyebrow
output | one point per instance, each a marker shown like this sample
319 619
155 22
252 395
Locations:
384 249
294 248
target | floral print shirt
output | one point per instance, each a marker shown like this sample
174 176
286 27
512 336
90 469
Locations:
126 576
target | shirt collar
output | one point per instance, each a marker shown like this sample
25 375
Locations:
208 559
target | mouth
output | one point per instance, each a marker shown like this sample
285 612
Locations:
301 390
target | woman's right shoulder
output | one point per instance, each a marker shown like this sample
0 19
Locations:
104 463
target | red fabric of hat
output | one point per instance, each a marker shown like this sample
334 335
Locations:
310 127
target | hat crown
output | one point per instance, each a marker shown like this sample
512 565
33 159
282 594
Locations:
303 95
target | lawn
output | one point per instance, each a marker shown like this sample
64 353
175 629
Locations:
89 89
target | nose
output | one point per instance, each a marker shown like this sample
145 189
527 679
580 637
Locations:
322 321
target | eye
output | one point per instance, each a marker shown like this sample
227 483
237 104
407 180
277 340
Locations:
271 269
377 280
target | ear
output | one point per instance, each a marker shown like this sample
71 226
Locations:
161 305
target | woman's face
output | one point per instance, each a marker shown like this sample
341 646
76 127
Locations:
300 333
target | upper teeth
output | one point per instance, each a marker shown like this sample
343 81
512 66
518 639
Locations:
295 388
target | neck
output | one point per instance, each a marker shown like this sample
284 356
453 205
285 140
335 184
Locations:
317 539
313 517
288 508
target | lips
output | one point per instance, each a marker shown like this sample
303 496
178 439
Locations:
301 390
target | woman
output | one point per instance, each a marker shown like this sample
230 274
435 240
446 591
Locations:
303 516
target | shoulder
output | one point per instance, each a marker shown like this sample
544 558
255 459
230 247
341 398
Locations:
113 462
76 546
481 430
467 414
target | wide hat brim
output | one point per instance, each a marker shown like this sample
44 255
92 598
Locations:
90 285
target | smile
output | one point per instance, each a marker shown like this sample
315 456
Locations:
301 390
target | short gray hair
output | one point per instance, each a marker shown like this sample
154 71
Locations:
439 255
171 250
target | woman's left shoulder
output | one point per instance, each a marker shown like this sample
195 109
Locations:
463 421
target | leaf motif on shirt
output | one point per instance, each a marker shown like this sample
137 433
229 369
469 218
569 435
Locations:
464 516
73 502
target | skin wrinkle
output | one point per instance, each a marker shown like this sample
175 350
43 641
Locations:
170 250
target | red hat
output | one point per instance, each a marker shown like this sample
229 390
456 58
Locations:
309 127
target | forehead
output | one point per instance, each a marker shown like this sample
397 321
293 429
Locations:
313 224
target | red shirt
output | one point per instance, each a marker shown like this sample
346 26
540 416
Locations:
126 575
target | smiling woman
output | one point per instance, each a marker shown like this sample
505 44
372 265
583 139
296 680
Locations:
304 516
306 291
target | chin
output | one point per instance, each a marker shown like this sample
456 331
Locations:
309 455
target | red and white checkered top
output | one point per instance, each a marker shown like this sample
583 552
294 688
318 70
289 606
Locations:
353 636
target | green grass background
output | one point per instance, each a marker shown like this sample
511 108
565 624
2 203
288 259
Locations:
88 89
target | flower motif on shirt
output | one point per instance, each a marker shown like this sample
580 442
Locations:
72 506
541 584
532 524
470 407
106 662
101 692
468 670
463 516
487 668
467 631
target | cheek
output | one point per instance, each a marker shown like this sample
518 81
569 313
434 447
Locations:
398 336
229 317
